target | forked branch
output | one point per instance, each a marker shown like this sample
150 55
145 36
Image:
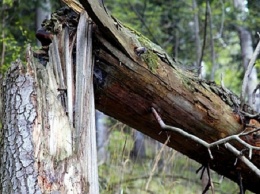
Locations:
216 143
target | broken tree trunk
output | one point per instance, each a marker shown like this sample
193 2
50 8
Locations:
48 137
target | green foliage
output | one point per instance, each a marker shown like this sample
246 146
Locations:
8 2
17 29
12 51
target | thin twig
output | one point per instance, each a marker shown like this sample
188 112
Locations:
221 80
156 163
202 169
249 132
251 116
210 180
241 188
210 183
243 158
204 35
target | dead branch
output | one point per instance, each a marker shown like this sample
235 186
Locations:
216 143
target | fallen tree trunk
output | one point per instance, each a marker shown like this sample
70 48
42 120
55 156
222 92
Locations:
128 90
128 85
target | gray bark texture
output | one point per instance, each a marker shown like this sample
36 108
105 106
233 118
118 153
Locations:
17 155
247 53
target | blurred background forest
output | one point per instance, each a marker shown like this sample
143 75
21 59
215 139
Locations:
219 34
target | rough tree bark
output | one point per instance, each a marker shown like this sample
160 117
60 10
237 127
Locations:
127 84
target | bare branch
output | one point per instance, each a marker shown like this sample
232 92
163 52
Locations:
200 141
251 116
209 145
243 158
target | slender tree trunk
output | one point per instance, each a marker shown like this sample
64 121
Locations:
138 151
102 137
196 31
212 45
43 11
247 52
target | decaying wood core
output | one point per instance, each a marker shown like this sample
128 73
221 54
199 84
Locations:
127 86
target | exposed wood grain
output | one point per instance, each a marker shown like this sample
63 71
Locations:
69 75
